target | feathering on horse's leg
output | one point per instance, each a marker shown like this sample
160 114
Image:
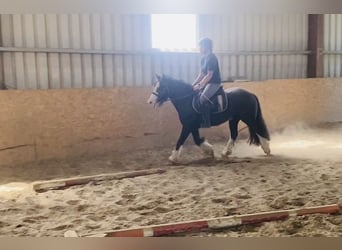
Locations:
228 148
175 155
205 146
262 131
233 126
265 145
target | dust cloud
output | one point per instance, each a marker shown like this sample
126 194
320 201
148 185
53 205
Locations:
301 141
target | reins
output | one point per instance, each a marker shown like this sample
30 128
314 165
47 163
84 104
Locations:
173 99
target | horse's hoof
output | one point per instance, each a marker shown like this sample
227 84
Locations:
227 152
173 161
225 156
207 148
209 156
175 155
267 152
208 152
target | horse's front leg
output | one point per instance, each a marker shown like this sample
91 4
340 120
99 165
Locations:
175 155
205 146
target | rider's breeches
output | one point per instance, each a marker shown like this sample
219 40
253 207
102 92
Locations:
208 92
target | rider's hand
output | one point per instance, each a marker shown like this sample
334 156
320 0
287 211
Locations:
196 87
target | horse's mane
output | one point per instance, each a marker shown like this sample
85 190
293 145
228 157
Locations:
179 83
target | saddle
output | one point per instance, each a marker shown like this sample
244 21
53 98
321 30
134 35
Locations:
219 102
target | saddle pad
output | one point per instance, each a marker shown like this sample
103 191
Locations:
219 102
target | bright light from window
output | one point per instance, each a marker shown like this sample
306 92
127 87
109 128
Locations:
174 31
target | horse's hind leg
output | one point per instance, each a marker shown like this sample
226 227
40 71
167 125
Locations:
205 146
265 145
255 136
233 126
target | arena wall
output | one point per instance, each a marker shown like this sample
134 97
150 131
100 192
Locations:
44 124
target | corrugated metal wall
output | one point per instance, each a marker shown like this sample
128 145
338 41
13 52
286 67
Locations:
333 45
286 35
102 50
81 33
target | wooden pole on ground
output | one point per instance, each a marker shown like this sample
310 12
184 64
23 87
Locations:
64 183
215 223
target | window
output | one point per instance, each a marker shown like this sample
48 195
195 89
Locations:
174 32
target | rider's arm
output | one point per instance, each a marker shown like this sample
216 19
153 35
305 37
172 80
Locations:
199 78
206 78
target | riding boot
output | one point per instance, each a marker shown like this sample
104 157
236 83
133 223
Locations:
206 123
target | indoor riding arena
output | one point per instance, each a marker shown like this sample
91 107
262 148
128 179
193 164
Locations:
83 153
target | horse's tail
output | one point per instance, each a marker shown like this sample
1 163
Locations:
259 127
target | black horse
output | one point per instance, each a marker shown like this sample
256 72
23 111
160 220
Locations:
241 105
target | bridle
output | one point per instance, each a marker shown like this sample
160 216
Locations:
155 93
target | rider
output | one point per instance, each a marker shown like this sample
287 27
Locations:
208 79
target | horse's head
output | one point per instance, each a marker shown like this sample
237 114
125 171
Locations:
161 91
168 88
